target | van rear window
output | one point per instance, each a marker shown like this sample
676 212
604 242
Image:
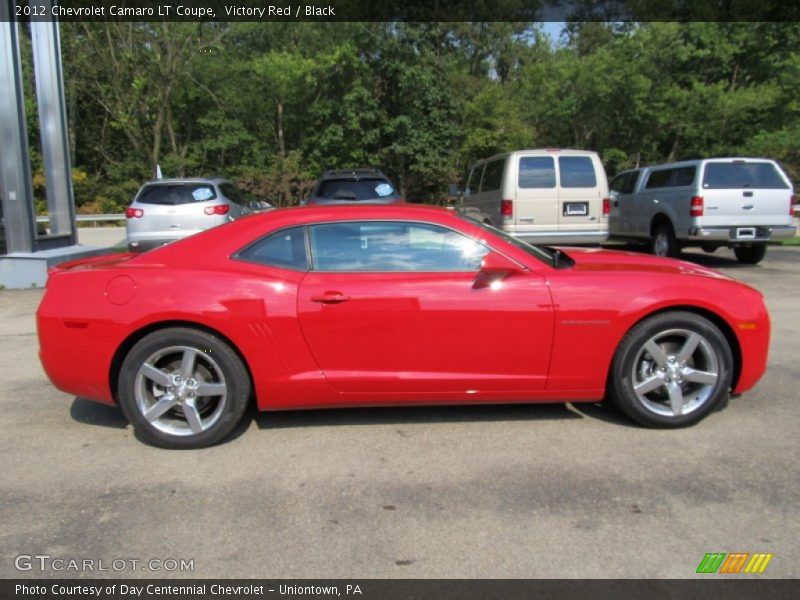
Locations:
736 175
174 194
576 172
537 172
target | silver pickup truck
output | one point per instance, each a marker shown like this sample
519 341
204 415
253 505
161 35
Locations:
741 203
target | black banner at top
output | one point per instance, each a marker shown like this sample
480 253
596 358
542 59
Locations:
403 10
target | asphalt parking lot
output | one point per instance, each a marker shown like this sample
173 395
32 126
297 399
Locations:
545 491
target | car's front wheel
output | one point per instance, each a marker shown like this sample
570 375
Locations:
671 370
183 388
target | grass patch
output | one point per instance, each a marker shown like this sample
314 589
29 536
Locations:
795 241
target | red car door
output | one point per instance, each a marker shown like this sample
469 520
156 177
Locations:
394 307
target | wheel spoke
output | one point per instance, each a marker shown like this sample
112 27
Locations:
648 385
160 407
156 375
656 352
210 389
193 417
695 376
688 348
675 398
187 363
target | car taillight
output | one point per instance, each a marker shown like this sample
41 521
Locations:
792 204
134 213
217 209
696 206
606 206
507 209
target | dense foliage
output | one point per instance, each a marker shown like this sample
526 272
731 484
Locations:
273 105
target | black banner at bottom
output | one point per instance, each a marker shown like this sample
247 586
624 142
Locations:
405 589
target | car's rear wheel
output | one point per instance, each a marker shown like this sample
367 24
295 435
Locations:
183 388
664 242
750 255
671 370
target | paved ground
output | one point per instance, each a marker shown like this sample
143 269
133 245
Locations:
101 236
536 491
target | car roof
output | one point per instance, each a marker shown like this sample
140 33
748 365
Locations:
537 152
354 173
178 180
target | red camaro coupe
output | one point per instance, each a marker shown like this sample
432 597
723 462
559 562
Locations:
391 305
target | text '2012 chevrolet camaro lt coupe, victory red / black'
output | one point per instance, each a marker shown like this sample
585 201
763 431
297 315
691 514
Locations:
391 305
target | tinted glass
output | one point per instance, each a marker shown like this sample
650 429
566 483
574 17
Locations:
618 182
352 189
630 182
473 183
658 179
174 194
678 177
285 248
234 194
576 172
735 175
493 176
392 246
537 172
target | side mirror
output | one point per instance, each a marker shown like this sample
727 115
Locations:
494 269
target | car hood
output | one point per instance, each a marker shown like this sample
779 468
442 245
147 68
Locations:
597 259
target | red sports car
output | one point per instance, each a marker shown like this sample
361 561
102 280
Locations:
389 305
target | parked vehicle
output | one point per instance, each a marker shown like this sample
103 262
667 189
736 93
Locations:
349 186
741 203
364 305
541 196
165 210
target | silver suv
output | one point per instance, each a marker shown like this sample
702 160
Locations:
166 210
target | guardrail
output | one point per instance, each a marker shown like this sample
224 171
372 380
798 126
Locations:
88 218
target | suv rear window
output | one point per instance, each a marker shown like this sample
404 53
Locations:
355 189
735 175
174 194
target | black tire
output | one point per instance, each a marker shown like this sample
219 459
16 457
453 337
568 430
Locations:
750 255
664 243
670 331
213 367
709 248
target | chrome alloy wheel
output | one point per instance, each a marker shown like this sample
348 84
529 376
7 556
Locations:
675 372
180 390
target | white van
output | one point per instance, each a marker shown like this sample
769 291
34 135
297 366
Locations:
541 196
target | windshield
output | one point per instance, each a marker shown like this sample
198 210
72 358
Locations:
543 253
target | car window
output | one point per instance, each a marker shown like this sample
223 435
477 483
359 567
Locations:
576 172
733 175
285 248
234 194
677 177
617 183
474 181
493 176
630 182
177 193
537 172
356 189
392 246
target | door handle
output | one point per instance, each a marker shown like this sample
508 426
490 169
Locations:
330 298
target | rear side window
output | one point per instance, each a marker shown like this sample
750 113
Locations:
678 177
493 176
625 183
735 175
537 172
234 194
474 180
285 248
356 189
174 194
576 172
